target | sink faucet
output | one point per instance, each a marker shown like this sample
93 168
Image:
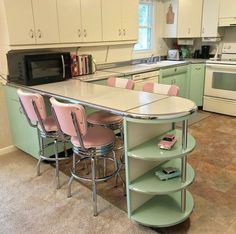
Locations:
151 59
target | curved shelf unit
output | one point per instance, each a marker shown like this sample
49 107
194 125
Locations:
149 183
163 210
149 150
150 201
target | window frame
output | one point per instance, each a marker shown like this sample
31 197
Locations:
148 52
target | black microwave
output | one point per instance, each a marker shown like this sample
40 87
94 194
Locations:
33 68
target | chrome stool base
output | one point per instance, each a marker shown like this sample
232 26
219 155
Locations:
93 178
42 157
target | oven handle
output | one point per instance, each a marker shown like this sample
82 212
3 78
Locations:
63 66
219 66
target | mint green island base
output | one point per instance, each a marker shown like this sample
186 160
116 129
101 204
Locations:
150 201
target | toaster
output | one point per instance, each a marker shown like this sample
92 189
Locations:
173 54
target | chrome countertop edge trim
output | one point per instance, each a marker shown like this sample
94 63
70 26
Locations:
114 111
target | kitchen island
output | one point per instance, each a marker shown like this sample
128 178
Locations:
147 117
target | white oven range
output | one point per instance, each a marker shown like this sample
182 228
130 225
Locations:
220 82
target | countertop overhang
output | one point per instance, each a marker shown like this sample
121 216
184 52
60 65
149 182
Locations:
130 103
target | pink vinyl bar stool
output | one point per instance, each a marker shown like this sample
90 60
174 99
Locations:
106 119
33 107
89 143
171 90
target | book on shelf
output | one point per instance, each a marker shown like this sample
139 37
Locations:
85 64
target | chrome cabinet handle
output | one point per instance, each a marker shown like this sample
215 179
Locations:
63 66
203 30
120 32
85 33
188 30
197 68
20 110
39 33
31 33
79 33
124 32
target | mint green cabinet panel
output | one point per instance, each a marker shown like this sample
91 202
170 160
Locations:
24 137
177 75
196 87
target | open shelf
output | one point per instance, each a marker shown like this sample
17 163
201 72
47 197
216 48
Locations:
149 183
149 150
163 210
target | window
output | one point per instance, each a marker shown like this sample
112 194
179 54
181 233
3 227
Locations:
145 26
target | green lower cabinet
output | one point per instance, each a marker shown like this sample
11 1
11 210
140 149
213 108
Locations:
24 136
176 75
196 86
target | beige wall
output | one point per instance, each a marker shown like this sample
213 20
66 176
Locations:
5 136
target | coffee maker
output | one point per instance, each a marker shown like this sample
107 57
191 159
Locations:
205 54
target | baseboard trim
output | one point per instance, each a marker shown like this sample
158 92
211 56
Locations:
8 149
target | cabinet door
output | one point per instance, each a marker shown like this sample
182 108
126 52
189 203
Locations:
111 20
189 18
196 87
210 18
46 24
130 20
91 20
170 18
69 20
181 81
20 22
24 137
227 8
178 76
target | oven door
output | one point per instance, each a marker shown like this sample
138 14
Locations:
220 81
47 68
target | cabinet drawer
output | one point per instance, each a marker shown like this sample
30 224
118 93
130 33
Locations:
174 71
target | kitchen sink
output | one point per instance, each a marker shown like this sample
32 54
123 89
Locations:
161 63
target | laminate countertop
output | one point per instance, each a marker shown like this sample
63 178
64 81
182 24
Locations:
131 103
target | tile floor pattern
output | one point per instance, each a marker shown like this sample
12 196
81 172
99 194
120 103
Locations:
214 188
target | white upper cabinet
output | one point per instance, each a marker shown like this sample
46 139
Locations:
45 18
227 9
69 20
20 25
130 20
190 18
210 18
31 22
79 20
182 18
91 15
120 20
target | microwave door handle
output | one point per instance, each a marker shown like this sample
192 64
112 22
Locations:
63 66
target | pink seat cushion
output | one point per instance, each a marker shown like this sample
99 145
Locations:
103 118
50 124
95 137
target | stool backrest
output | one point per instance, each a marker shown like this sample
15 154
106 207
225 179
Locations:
29 102
171 90
64 113
120 83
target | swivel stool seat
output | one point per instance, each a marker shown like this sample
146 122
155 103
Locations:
90 144
107 119
33 107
